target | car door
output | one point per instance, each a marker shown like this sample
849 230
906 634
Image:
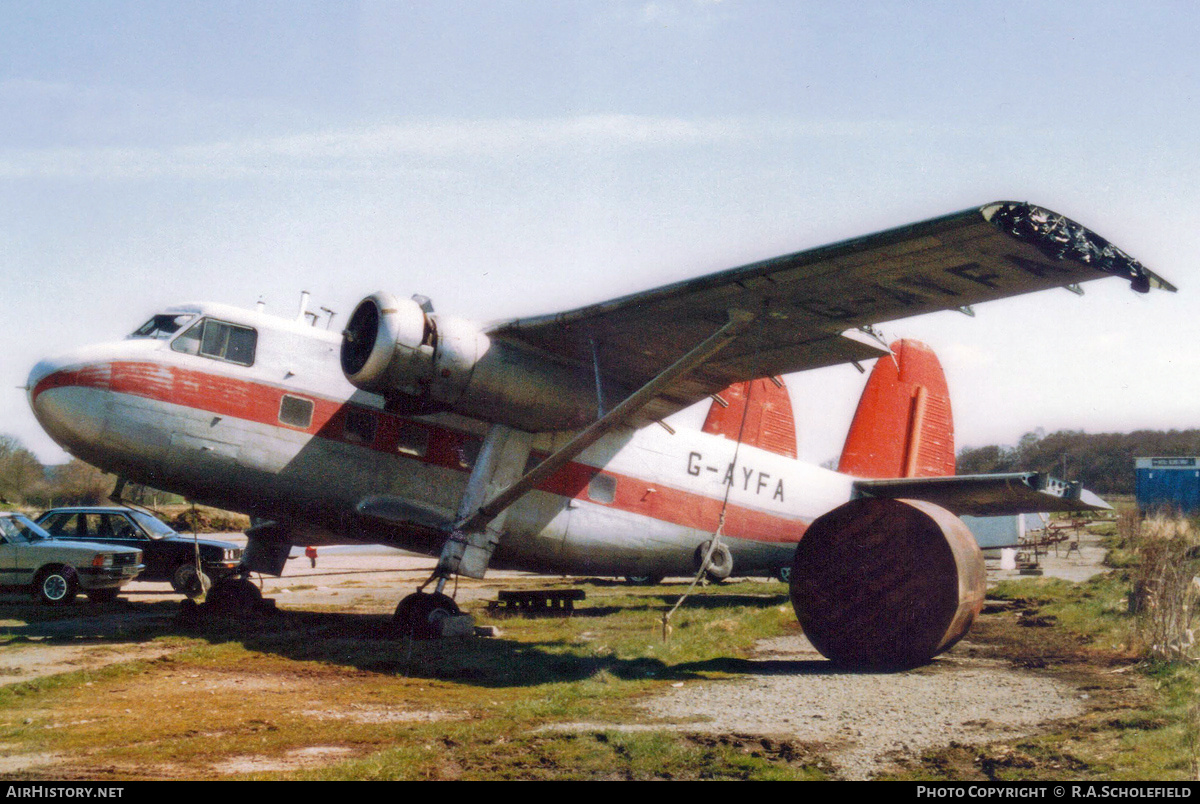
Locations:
17 559
8 556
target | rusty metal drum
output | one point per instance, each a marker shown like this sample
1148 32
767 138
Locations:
882 583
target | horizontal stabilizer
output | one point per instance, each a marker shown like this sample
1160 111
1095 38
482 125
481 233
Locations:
988 495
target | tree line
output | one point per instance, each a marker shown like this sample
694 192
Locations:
1102 461
25 481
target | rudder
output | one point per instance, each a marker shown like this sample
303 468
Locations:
903 426
768 423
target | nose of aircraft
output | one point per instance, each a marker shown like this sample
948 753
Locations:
61 393
41 371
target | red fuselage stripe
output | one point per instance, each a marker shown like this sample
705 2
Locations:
446 448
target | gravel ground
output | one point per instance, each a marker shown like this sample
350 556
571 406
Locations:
863 720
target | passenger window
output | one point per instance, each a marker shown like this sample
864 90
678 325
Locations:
56 524
360 425
93 525
220 341
413 439
119 527
603 489
295 411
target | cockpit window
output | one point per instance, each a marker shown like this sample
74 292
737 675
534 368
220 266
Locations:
162 326
219 340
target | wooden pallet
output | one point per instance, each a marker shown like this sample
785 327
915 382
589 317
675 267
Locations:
536 602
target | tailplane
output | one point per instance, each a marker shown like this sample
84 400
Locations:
903 426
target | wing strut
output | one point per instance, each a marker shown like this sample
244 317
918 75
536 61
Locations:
470 545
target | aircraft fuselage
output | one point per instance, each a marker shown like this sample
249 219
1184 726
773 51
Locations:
259 419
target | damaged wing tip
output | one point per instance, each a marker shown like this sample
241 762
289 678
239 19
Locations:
1060 238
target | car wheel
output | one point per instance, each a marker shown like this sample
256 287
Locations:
185 579
56 585
421 615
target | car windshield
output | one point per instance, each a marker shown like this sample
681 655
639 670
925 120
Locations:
162 326
153 526
18 529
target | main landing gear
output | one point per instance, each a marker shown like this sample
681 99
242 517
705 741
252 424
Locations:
423 615
235 596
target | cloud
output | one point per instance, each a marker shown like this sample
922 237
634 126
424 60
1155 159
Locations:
398 147
373 148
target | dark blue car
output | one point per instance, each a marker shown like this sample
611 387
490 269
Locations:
168 556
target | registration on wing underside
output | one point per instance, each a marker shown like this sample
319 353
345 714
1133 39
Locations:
805 303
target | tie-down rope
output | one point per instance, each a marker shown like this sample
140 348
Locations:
720 531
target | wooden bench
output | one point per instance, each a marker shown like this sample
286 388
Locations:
536 601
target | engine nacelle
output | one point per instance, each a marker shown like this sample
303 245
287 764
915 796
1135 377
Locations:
422 362
887 583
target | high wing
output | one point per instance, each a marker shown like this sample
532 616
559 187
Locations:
815 308
987 495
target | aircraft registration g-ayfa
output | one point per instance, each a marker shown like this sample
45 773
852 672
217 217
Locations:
536 444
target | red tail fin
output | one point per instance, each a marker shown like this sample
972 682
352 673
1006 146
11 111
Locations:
903 426
769 423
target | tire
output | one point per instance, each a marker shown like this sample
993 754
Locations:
56 586
643 580
784 573
420 615
102 595
233 597
719 566
185 580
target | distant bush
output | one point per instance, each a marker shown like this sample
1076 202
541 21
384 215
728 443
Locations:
208 520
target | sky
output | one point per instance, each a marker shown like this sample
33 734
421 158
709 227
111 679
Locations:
516 158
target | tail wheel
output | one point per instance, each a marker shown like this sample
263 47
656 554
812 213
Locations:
421 615
56 585
719 566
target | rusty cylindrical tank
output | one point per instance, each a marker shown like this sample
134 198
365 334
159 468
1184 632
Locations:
880 583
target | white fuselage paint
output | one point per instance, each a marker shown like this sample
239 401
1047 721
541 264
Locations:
215 432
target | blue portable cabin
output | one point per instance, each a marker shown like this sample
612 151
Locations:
1168 483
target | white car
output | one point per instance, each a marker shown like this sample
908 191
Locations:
56 570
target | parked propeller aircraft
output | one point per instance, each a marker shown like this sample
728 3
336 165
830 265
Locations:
538 443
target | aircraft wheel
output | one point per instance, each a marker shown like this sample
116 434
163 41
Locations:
719 566
234 596
421 615
643 580
56 586
784 573
185 579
